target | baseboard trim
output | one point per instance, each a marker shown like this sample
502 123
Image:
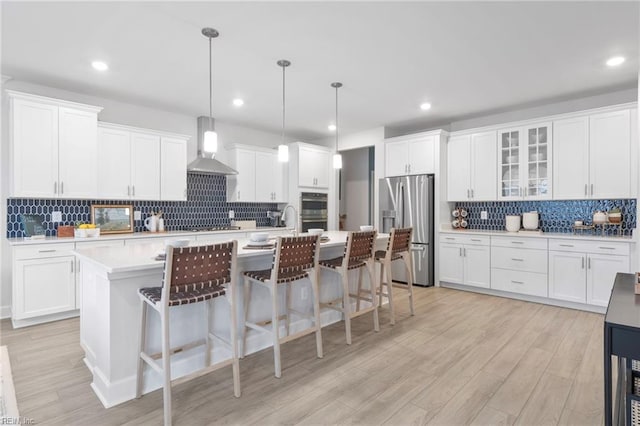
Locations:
5 311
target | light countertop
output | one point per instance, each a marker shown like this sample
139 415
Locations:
548 235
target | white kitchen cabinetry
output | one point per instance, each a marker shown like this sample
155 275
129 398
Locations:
129 166
465 260
259 178
313 167
54 147
471 169
592 156
519 265
410 156
584 271
524 157
44 281
173 169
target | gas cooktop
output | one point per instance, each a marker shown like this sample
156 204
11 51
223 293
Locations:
212 228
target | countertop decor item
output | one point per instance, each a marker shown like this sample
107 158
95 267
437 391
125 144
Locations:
112 219
512 223
65 231
530 220
459 222
599 217
615 215
32 224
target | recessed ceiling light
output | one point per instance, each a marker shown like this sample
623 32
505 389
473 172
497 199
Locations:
615 61
332 127
425 106
238 102
99 65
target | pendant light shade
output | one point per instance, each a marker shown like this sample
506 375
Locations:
283 149
337 157
210 144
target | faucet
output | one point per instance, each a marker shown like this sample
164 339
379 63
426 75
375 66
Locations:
284 217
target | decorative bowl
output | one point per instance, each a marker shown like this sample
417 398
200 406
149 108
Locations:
366 227
258 237
315 231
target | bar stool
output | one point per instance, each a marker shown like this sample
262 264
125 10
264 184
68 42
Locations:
358 254
398 248
295 258
191 275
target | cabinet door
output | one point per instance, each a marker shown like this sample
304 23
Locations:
483 166
396 156
459 168
567 276
34 129
451 263
264 176
43 286
421 157
536 148
114 163
306 169
242 187
477 266
78 153
145 167
509 168
602 272
610 155
571 158
321 167
173 169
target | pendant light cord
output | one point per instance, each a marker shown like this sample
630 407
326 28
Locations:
210 89
337 118
283 102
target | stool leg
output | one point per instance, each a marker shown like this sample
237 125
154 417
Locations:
409 264
275 329
316 310
166 366
380 284
359 289
247 297
390 292
346 303
288 306
207 348
141 344
372 288
234 340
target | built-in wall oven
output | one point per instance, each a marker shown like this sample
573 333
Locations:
313 210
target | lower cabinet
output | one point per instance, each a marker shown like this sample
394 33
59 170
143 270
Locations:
519 265
465 260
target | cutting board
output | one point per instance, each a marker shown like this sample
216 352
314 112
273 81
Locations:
246 224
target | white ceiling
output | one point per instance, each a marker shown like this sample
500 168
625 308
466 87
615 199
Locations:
463 57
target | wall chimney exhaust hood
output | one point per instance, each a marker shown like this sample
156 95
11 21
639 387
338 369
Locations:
205 163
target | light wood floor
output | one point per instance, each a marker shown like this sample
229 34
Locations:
464 358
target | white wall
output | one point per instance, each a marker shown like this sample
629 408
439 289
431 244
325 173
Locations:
355 140
114 112
355 194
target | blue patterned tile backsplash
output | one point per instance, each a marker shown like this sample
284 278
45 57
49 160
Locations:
555 216
206 207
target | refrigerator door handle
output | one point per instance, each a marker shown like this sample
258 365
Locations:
418 248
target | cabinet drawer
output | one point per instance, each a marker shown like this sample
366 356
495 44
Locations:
476 240
519 259
520 242
43 250
530 283
604 247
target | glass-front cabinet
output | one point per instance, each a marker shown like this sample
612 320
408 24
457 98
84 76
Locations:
525 163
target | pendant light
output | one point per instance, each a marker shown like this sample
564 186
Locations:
337 158
210 145
283 149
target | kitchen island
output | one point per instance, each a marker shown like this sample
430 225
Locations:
110 312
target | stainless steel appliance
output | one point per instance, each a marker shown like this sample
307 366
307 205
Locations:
407 201
275 218
313 210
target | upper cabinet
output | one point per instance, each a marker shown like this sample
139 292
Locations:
140 164
54 147
524 162
410 156
592 156
471 171
260 176
313 167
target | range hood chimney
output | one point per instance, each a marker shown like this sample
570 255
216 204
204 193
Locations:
204 164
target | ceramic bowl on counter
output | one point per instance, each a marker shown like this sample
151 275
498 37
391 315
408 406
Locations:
258 237
315 231
512 223
366 228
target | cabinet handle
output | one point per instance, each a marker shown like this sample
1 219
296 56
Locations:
72 262
585 189
517 260
517 282
607 248
460 252
565 245
472 193
592 190
46 251
468 193
517 242
589 263
464 252
55 187
238 195
185 193
409 167
128 190
449 238
133 190
476 240
62 187
583 263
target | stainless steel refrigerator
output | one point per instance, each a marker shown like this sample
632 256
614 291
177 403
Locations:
407 201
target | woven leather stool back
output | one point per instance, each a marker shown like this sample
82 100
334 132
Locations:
296 254
361 245
400 240
199 267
